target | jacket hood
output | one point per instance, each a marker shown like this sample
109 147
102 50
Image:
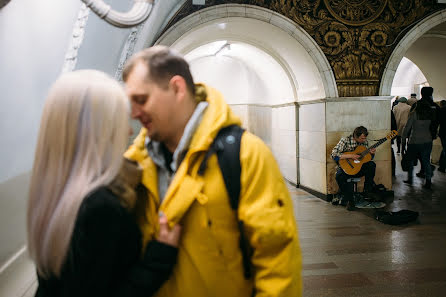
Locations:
217 115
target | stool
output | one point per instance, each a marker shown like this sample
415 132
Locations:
355 181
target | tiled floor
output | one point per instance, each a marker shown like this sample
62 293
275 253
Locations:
351 254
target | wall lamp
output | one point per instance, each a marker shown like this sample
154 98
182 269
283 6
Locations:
138 13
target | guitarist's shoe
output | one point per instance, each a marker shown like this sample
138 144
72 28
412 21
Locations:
427 185
408 182
350 205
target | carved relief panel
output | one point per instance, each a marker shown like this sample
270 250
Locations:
357 36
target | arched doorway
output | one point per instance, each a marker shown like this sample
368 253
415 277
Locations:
263 76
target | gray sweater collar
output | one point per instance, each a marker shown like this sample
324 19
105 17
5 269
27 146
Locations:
155 148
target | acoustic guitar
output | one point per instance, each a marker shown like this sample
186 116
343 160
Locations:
351 166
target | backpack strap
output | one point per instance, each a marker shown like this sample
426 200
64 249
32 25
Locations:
227 147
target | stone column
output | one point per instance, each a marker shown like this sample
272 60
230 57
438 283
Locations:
321 125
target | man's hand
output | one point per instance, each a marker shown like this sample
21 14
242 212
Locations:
167 235
350 156
373 151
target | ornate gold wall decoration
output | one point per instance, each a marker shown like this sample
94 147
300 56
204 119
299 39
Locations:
357 36
355 12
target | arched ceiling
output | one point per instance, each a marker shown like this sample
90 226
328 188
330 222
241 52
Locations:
406 77
242 72
301 64
429 54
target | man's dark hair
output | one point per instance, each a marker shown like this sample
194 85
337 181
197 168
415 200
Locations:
426 92
162 64
359 131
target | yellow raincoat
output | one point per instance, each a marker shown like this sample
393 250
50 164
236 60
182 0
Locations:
209 258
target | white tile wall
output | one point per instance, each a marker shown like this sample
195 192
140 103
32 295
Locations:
313 175
346 115
312 146
284 140
242 112
312 117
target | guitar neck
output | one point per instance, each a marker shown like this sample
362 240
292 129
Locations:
378 143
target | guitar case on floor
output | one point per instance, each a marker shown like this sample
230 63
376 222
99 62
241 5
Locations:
401 217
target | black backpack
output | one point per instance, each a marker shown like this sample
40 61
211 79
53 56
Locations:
227 147
396 218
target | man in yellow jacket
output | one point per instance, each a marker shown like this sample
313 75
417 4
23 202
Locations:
180 121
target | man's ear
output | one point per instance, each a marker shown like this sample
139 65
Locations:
179 87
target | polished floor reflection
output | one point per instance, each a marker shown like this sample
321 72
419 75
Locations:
351 254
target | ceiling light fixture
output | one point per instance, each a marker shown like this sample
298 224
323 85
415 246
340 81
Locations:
224 48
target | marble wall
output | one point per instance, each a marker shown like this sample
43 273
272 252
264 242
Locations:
285 140
241 110
260 122
277 127
302 136
312 146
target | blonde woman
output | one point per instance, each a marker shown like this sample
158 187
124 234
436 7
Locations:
82 226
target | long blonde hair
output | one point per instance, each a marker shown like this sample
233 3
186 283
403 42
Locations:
83 134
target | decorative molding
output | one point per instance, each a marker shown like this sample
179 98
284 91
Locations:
354 12
418 31
136 15
76 40
356 36
435 34
128 50
347 99
267 105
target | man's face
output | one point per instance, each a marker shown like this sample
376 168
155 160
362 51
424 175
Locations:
152 105
361 139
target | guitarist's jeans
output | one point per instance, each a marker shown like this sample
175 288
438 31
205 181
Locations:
368 170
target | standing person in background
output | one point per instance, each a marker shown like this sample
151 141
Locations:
82 225
412 100
180 121
401 112
442 135
393 126
419 129
395 102
427 93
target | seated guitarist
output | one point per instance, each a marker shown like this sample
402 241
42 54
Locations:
349 144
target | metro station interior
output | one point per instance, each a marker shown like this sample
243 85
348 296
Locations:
300 75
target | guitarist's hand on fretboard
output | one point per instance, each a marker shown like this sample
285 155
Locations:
372 151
